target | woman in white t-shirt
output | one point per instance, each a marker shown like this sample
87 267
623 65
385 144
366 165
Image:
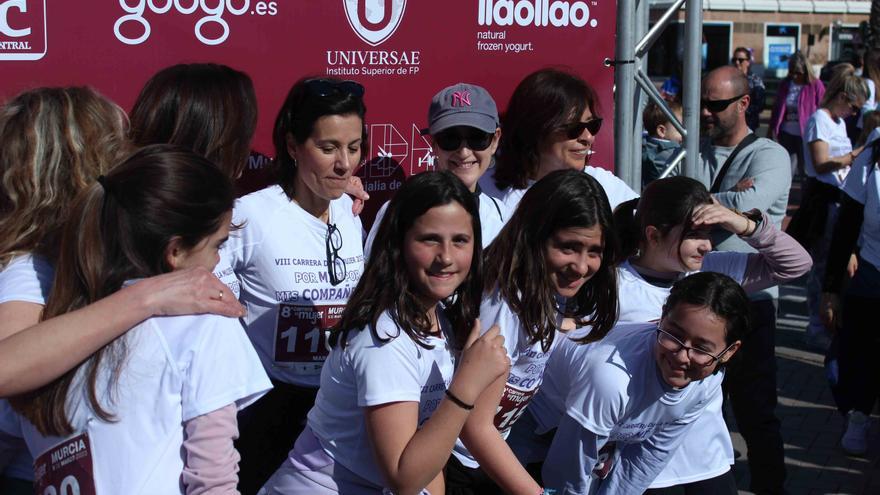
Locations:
550 123
551 266
627 402
396 388
298 256
667 239
153 411
828 154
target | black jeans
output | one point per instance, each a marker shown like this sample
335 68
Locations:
719 485
750 384
268 429
859 367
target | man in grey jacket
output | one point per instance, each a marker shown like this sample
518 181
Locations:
758 178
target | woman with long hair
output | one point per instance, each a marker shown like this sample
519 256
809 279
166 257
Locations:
151 411
406 364
550 267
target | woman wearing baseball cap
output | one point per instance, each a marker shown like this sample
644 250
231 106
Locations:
463 127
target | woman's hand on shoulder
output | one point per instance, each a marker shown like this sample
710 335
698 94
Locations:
359 196
483 360
187 292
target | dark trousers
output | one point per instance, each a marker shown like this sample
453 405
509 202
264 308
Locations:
859 382
719 485
268 429
462 480
750 384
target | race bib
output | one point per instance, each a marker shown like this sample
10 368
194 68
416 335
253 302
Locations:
65 469
301 336
605 461
513 403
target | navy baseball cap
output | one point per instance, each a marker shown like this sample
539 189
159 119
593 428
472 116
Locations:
462 105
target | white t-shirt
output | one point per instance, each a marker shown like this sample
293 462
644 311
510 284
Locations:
27 278
527 362
491 221
616 190
176 368
791 124
280 254
821 127
368 372
863 185
622 416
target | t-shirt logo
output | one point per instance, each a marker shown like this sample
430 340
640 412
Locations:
66 468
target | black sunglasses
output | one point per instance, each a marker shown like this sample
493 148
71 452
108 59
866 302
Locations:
575 129
475 139
324 87
335 264
716 106
738 60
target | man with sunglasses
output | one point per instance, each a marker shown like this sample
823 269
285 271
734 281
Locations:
730 154
742 60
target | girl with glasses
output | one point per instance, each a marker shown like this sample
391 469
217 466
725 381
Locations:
549 268
407 362
550 124
155 410
298 256
627 402
666 239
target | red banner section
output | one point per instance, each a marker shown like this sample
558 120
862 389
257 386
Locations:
402 51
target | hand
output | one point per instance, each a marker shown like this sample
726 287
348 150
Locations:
853 266
483 361
188 292
857 151
744 184
355 189
724 217
829 311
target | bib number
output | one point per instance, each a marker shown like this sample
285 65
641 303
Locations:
66 469
301 336
513 404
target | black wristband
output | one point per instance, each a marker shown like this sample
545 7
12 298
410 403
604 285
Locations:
458 402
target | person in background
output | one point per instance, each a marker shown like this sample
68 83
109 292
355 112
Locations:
660 141
742 60
797 99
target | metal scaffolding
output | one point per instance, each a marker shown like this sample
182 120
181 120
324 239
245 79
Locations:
633 86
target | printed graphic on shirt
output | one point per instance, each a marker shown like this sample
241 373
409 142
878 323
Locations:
301 335
432 394
66 469
605 461
513 403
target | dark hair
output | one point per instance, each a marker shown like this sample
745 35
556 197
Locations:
665 204
653 117
119 230
541 103
297 117
385 284
210 109
747 51
515 262
718 293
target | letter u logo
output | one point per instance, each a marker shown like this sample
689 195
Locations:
375 26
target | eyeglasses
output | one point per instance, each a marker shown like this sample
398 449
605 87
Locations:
698 356
738 60
575 129
335 263
325 87
475 139
716 106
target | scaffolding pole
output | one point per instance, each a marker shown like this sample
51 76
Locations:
690 83
624 91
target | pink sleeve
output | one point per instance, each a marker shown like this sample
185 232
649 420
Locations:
211 464
779 259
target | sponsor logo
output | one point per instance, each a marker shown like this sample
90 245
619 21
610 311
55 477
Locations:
374 21
22 29
134 29
555 13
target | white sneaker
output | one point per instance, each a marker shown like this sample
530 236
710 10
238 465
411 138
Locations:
855 440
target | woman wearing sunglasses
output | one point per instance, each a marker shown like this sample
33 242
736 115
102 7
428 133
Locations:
550 124
463 128
798 98
298 256
829 154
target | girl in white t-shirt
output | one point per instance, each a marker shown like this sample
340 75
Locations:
396 390
628 401
551 262
153 411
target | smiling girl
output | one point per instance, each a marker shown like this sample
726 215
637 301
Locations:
396 390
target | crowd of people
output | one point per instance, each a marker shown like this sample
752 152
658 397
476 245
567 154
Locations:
516 321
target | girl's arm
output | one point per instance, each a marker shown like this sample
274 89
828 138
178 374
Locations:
211 461
824 163
40 353
843 242
410 457
494 455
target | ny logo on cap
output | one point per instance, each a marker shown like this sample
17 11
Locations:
462 98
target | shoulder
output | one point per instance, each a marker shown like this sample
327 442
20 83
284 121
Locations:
26 278
616 189
260 202
767 151
190 333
